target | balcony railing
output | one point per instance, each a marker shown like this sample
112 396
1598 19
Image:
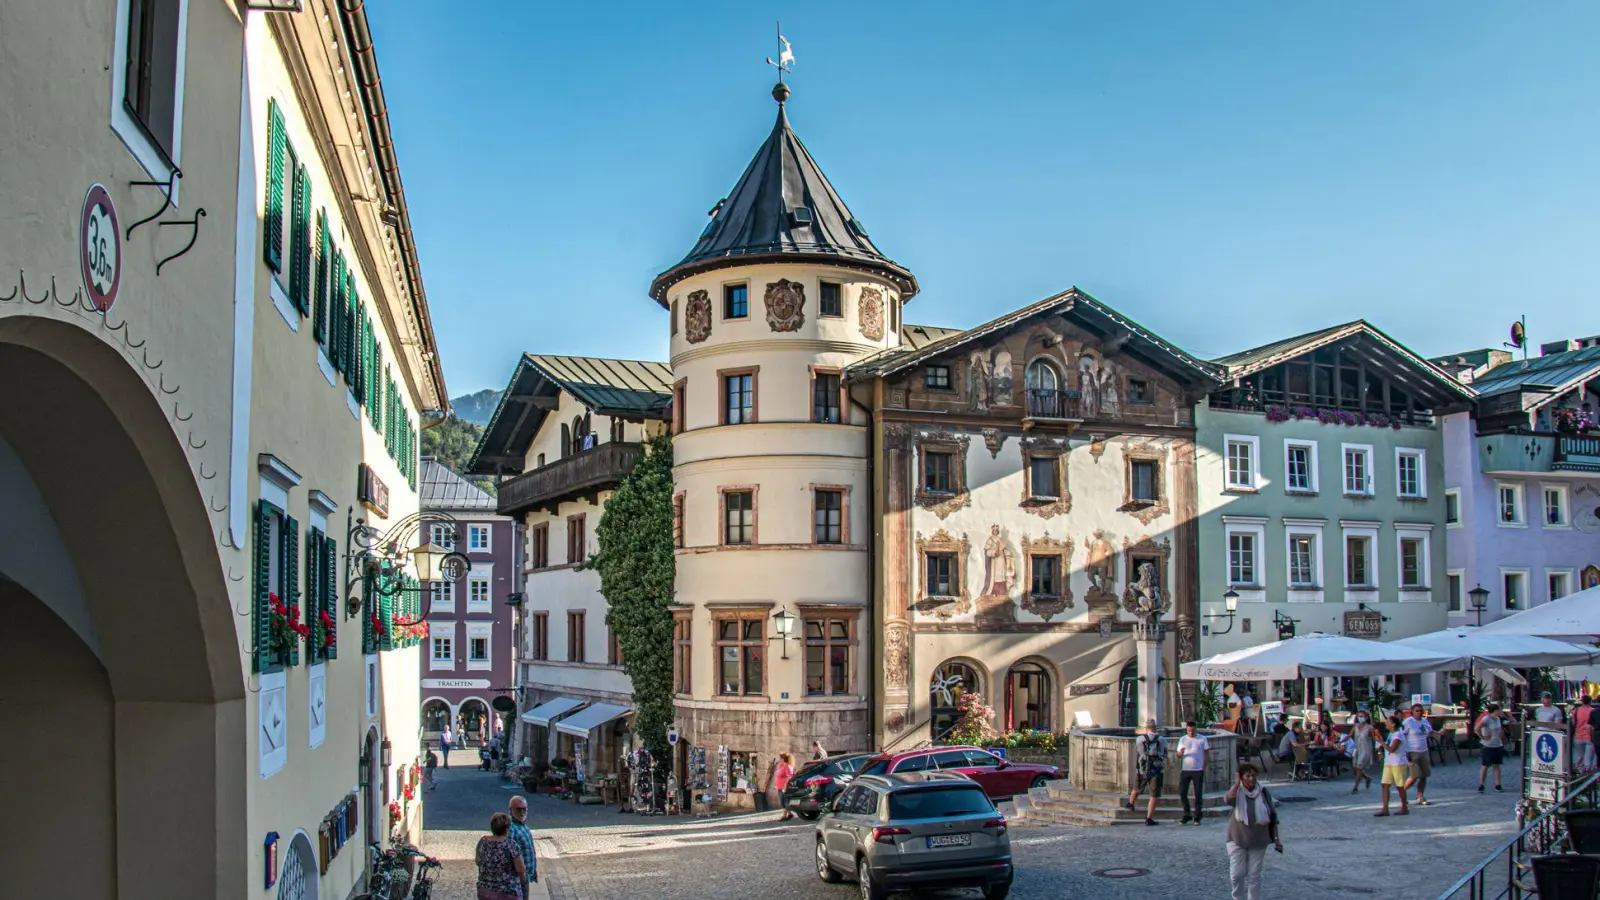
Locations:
586 472
1544 452
1050 404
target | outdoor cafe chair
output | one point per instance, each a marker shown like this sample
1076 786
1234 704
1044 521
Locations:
1583 831
1302 764
1566 876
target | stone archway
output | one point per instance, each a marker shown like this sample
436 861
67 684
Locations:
473 718
127 618
1031 698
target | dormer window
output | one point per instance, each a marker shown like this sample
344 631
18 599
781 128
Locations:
800 217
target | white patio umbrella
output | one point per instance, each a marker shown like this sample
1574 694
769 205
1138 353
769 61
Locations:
1573 617
1484 648
1318 656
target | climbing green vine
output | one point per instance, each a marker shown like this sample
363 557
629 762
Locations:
637 569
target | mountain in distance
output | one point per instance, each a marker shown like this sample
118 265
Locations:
476 408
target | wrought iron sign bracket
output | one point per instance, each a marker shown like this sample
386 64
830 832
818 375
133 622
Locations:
166 199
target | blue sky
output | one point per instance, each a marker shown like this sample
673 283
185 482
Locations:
1227 174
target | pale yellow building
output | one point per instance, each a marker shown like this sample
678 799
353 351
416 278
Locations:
177 448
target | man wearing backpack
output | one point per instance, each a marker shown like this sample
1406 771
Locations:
1151 763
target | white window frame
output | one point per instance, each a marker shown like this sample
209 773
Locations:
443 534
1418 593
1421 456
1521 494
122 122
1371 488
483 630
472 538
1304 593
1360 593
1568 577
481 573
1560 490
1449 494
1289 445
441 597
1462 602
1256 527
1527 578
445 631
1252 445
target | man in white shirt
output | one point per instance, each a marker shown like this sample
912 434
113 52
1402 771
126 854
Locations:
1547 710
1417 729
1192 749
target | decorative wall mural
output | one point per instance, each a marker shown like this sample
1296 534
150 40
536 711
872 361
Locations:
896 655
999 578
1100 565
1590 576
977 382
871 315
697 317
1000 378
1047 606
1187 646
786 301
1089 385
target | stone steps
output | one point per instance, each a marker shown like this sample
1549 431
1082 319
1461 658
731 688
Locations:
1060 803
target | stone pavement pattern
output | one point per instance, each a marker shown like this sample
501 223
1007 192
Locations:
1332 844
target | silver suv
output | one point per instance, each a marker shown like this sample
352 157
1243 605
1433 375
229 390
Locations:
920 829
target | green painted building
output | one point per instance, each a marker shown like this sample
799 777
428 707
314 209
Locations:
1320 469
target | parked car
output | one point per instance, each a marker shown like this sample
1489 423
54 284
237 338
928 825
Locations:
817 782
1000 778
922 829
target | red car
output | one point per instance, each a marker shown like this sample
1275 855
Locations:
999 778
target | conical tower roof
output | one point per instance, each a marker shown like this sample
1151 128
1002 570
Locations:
783 210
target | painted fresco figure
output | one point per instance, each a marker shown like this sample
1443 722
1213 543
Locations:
977 383
1000 570
1000 370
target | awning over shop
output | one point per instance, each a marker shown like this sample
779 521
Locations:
596 715
544 712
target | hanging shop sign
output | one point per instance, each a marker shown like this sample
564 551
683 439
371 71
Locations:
100 248
372 492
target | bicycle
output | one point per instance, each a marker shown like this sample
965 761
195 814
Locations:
389 872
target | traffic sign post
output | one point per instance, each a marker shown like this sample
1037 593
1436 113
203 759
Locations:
1546 762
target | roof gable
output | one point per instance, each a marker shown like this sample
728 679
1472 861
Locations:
1386 353
1073 303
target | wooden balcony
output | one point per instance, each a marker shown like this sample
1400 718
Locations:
1516 454
1051 407
585 474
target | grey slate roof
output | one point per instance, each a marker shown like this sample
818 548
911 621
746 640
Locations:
764 219
1559 371
1071 301
442 489
1249 360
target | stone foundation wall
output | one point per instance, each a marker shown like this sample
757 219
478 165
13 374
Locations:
768 730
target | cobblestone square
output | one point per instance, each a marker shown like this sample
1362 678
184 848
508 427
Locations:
1332 843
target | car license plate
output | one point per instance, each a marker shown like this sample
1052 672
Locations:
949 840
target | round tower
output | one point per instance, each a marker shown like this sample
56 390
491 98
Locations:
783 291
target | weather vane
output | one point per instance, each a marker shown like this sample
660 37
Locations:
785 63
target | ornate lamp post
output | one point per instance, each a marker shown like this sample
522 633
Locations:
1479 596
369 553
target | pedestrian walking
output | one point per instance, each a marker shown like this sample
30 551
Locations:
1396 767
1582 735
817 753
1491 731
1152 765
445 739
1362 754
1192 749
1252 827
1417 728
428 766
780 780
522 839
500 871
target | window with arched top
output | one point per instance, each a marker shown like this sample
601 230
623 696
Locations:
1030 700
1042 376
950 681
566 440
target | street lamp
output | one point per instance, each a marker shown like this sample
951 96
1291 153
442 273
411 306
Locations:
428 558
386 753
784 621
1479 596
1230 602
369 554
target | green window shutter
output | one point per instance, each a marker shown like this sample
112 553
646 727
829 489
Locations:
358 372
319 312
261 575
369 634
290 572
272 224
386 623
313 592
335 304
375 408
369 382
300 239
330 592
347 328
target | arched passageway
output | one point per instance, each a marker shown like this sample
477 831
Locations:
123 664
